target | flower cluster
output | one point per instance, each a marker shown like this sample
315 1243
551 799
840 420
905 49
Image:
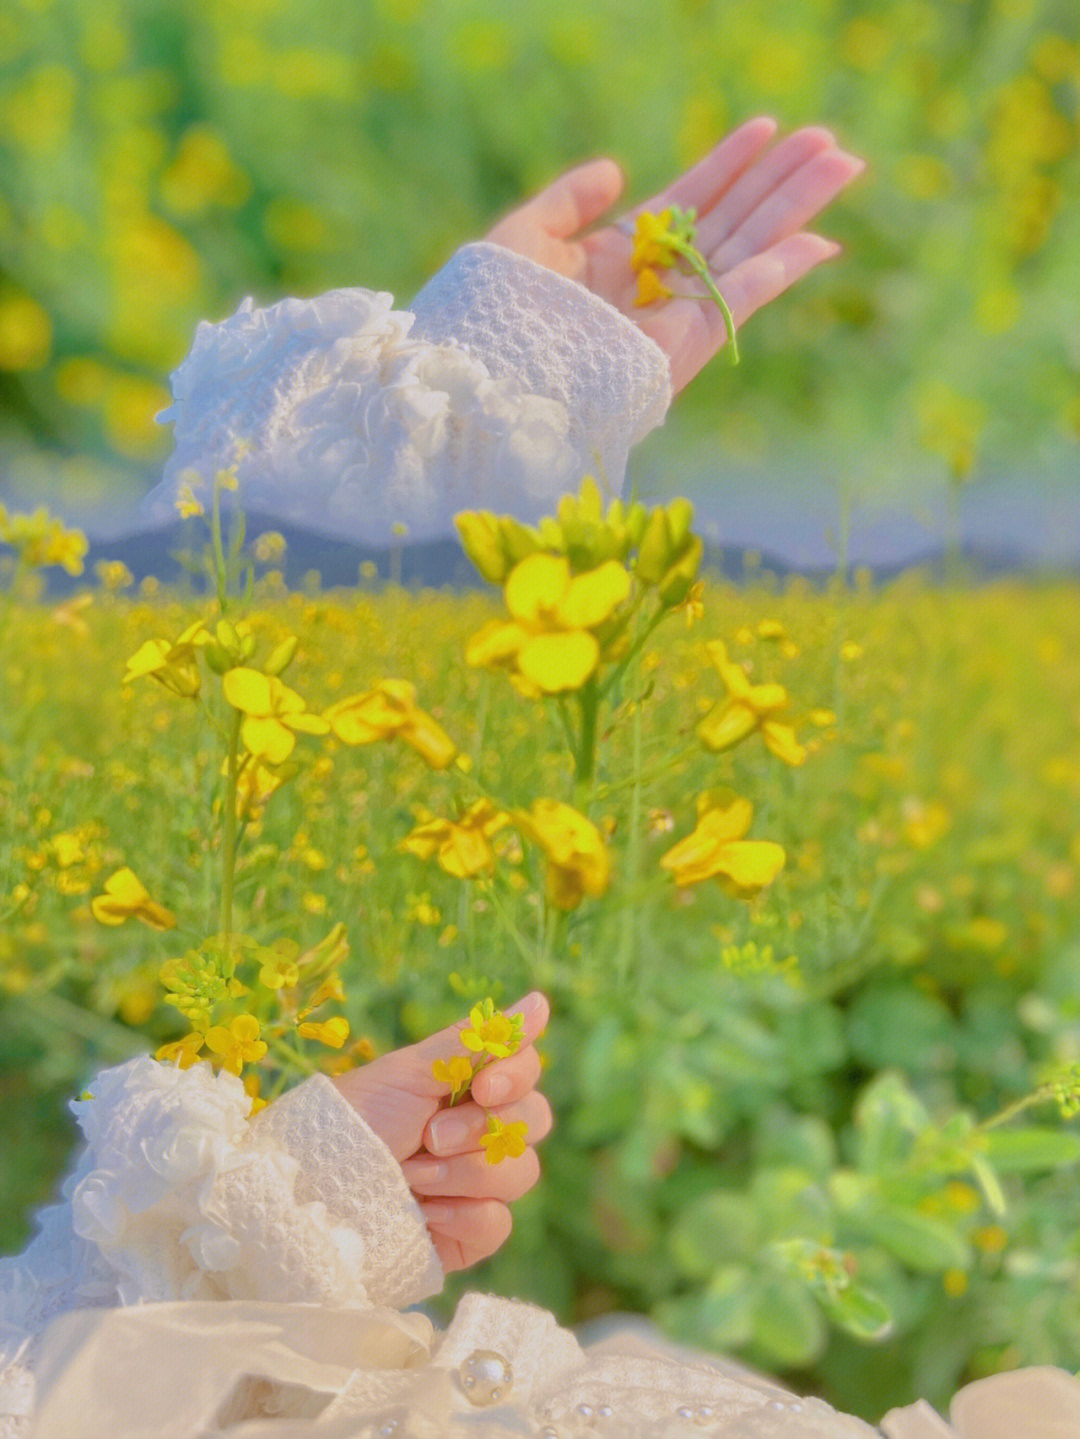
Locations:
488 1034
660 242
40 540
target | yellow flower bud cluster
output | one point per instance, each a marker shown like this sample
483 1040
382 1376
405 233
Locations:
488 1034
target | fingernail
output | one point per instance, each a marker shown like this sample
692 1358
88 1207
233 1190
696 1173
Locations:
449 1131
529 1005
437 1213
498 1087
426 1171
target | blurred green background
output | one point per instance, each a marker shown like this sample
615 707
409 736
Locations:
159 159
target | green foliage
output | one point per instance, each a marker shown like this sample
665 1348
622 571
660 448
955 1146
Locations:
818 1130
161 159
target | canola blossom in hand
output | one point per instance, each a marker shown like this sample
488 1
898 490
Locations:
660 241
489 1034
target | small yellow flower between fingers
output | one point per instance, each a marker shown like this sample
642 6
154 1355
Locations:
462 847
236 1043
578 859
457 1072
390 711
504 1141
748 708
490 1032
716 849
125 898
273 713
650 288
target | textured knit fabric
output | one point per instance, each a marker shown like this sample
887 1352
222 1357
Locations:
502 387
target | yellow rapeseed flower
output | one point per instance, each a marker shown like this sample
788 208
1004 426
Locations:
182 1052
390 711
652 247
273 713
457 1072
716 849
650 288
188 506
331 1032
41 540
549 639
748 708
125 898
236 1043
172 663
578 859
491 1032
504 1141
462 847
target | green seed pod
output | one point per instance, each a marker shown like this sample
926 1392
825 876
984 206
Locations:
281 656
680 516
654 549
675 585
218 657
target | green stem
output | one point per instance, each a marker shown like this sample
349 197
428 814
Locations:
698 265
589 701
228 861
628 918
221 569
1040 1096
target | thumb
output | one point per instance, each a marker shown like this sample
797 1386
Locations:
577 198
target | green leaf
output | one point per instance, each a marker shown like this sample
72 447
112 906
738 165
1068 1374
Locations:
858 1311
921 1241
716 1229
1014 1151
788 1325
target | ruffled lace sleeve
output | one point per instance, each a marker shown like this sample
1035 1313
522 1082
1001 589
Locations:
178 1195
500 388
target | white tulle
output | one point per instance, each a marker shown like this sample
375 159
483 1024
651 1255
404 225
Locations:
501 387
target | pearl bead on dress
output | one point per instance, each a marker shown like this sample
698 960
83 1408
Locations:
485 1377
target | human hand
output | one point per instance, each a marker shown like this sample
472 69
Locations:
751 203
463 1198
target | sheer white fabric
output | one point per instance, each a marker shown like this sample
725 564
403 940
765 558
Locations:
501 387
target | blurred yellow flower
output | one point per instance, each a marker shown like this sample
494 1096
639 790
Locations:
578 860
650 288
188 506
40 540
236 1043
390 711
172 664
462 847
716 849
331 1032
504 1141
273 713
491 1032
652 248
748 708
183 1052
125 898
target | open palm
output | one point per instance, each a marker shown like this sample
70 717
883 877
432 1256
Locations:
752 200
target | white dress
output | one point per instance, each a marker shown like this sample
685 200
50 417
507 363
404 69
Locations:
210 1274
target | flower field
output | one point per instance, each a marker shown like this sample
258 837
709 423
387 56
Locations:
800 871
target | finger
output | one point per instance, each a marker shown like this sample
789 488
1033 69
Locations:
712 176
412 1066
470 1176
459 1130
573 201
464 1231
789 208
758 182
692 331
507 1079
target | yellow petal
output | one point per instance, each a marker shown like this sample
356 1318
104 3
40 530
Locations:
650 287
146 659
765 698
307 723
592 597
268 738
466 853
249 691
429 740
726 726
126 887
535 586
751 863
558 662
780 738
332 1032
495 643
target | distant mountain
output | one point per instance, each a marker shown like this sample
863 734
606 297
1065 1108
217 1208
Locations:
441 563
